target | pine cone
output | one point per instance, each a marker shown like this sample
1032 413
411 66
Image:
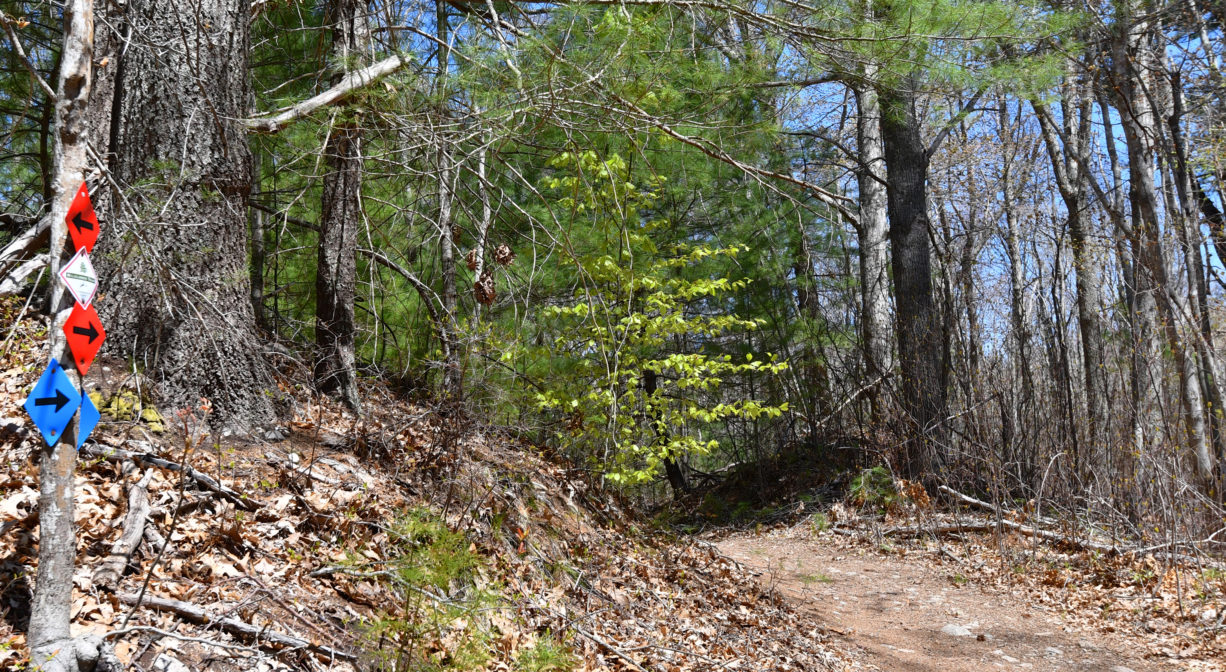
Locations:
503 255
483 289
471 259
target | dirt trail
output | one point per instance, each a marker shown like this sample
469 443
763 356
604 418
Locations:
909 616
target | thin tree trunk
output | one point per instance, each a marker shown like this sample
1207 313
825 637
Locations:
1020 380
1070 165
340 219
451 387
1138 119
52 648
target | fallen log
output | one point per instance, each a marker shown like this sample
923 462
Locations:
108 573
261 636
988 506
209 483
1046 535
14 281
23 246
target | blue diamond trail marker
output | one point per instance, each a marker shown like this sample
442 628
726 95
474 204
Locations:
53 402
87 421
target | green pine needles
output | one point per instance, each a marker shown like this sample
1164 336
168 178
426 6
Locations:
637 344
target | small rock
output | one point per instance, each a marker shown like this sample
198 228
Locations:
1121 668
1208 615
1009 659
1054 652
955 630
164 663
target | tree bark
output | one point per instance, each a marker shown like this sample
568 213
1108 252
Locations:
1070 165
873 231
446 195
52 647
340 219
174 264
918 325
1133 60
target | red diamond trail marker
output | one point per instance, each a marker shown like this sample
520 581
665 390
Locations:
85 335
82 221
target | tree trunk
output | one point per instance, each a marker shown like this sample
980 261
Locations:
52 648
1070 165
918 325
1021 383
340 219
1137 116
446 227
174 263
872 231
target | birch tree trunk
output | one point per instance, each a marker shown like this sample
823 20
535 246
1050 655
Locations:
873 229
52 648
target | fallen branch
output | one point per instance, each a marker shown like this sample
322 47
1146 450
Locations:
23 246
1046 535
988 506
14 281
109 572
351 82
211 484
261 636
115 634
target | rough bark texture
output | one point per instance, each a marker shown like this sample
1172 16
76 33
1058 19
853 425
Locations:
918 325
872 233
336 272
1022 385
173 264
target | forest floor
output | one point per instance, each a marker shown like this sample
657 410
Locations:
949 608
415 538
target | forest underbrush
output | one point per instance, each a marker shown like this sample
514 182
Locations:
408 539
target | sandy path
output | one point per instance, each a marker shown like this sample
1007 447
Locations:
894 609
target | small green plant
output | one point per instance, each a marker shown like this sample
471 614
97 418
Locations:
437 624
816 577
819 522
547 655
875 488
958 579
638 373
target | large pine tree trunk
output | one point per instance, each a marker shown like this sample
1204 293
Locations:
336 272
173 256
918 325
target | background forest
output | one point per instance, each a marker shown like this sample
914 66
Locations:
979 243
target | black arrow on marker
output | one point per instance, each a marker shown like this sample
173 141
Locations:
92 333
57 401
82 223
